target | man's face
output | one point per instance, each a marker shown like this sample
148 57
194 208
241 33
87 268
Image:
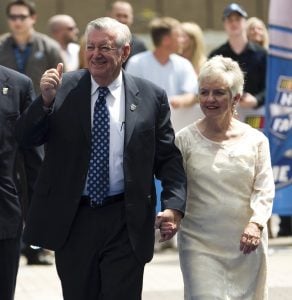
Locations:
103 57
70 31
174 40
123 13
234 24
19 20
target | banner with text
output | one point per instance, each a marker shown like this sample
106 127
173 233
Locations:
279 102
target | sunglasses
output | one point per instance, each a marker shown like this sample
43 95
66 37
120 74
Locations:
71 28
20 17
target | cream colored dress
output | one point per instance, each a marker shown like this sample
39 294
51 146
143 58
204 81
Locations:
230 183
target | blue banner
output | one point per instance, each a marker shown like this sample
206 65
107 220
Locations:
279 102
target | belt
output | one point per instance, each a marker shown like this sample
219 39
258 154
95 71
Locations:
87 201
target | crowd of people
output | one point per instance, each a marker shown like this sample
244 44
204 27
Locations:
90 123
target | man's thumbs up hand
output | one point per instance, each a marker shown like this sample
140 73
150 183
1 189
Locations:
49 84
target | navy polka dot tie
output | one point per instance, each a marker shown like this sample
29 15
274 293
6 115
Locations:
98 173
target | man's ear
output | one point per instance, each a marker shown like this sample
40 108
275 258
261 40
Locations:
34 18
126 52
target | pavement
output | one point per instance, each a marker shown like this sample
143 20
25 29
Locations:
162 279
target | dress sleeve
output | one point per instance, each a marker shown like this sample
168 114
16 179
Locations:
180 143
264 187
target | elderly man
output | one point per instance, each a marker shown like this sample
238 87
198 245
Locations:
107 134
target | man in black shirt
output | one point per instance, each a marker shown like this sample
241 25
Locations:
252 60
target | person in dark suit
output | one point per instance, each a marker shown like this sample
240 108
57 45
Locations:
16 93
102 243
31 53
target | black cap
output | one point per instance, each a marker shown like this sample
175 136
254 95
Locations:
234 8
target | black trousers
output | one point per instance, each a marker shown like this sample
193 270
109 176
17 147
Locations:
9 262
98 262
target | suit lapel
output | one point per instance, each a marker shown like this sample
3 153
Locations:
131 106
6 89
79 93
81 98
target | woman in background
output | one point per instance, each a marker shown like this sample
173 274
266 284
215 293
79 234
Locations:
257 32
193 45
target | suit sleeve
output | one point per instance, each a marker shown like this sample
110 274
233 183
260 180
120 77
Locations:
33 125
29 159
169 165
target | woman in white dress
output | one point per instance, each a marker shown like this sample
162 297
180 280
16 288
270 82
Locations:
223 237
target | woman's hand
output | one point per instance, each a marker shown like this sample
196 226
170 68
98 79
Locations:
250 239
168 223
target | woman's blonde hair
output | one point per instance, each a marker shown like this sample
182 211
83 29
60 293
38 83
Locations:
252 22
196 36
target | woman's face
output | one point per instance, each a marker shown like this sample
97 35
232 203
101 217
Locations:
255 33
215 98
185 40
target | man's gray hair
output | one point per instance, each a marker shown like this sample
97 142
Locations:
122 31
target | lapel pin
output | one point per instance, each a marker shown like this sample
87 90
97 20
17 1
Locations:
5 91
133 107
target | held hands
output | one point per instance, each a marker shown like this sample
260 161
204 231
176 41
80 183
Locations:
49 84
168 222
250 239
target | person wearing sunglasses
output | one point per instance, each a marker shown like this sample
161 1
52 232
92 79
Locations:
24 49
31 53
64 30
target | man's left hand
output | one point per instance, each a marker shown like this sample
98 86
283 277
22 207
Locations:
168 223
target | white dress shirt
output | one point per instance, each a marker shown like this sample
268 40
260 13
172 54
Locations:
115 102
71 57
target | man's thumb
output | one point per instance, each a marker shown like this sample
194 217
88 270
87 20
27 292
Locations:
60 69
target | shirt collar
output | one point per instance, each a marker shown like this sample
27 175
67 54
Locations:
113 87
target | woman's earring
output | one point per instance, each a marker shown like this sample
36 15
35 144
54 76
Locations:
234 111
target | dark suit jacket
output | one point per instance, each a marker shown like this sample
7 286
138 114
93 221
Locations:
16 92
148 150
